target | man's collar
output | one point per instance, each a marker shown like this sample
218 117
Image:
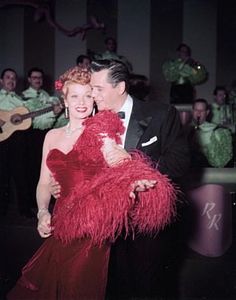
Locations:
31 89
127 106
216 105
5 92
207 126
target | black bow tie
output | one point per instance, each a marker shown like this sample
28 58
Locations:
121 114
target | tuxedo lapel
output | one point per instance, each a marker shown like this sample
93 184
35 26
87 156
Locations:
134 132
137 125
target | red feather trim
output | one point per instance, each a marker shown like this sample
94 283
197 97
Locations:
99 206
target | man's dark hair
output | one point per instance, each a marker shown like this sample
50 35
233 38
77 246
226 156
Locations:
201 100
81 58
35 69
219 88
109 39
7 69
117 71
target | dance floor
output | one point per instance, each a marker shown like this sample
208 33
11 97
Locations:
199 277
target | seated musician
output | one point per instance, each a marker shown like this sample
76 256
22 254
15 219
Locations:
211 144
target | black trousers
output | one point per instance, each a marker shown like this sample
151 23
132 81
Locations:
147 267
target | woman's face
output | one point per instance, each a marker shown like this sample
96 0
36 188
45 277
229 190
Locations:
79 100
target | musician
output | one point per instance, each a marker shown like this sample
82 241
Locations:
111 53
211 145
37 99
183 73
12 151
220 109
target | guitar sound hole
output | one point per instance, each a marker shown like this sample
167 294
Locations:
16 119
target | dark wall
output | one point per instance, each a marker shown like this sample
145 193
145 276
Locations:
226 43
166 34
39 47
107 12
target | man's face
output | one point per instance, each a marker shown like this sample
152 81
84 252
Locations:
111 45
183 53
9 81
200 112
104 94
36 80
220 97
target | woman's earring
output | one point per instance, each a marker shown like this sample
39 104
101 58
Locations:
66 112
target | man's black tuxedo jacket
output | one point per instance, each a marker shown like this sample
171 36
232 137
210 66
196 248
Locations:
155 129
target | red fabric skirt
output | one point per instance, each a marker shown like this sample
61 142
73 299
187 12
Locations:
66 272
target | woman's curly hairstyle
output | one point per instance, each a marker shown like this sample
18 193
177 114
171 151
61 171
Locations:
73 75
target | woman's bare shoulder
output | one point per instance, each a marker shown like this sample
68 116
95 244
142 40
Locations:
54 134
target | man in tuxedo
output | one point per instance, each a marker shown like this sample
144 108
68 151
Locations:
138 267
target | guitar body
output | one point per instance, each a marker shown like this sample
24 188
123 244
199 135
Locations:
10 121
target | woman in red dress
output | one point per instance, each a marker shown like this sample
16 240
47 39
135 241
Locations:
97 200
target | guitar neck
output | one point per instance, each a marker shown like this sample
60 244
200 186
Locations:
37 113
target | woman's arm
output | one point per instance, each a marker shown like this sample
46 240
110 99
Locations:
43 194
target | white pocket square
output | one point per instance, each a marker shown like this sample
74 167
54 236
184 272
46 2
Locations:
151 141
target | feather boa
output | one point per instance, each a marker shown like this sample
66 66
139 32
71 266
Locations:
99 206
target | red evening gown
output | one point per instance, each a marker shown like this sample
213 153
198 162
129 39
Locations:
71 271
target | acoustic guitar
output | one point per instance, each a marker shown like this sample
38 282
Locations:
20 118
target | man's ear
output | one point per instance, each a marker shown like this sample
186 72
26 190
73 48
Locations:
208 111
29 80
121 87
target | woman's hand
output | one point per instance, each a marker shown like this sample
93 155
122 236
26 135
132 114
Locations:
54 188
44 223
113 153
141 186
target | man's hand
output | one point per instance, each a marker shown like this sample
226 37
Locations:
141 186
113 153
54 188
